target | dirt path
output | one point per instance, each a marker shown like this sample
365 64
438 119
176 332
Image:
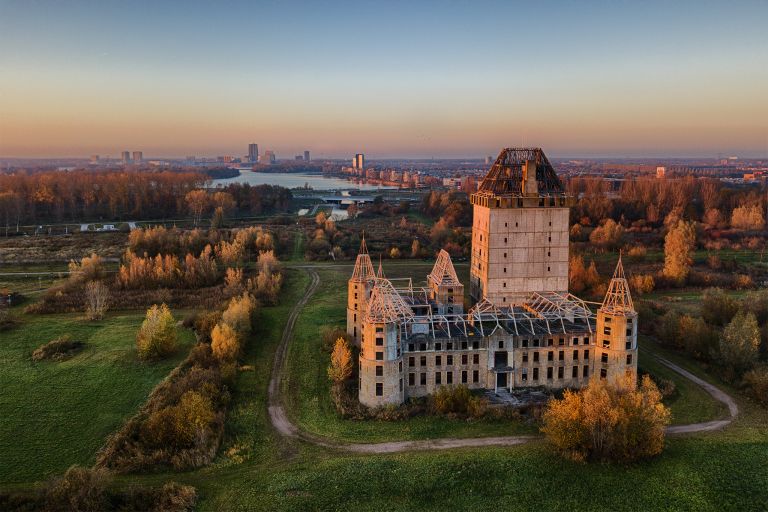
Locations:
284 426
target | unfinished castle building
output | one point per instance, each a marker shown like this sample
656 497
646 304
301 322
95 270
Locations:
523 330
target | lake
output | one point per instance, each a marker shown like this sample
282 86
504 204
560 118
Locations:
295 180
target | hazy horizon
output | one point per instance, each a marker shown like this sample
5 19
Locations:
395 80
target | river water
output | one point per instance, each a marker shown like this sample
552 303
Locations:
295 180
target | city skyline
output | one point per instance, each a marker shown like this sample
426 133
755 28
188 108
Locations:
413 81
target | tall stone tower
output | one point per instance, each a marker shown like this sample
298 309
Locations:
616 348
520 229
381 360
359 289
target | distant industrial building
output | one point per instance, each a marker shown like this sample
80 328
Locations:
138 157
126 157
306 156
253 153
359 161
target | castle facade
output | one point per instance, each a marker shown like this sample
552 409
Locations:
523 330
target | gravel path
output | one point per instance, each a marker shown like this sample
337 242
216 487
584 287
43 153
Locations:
283 425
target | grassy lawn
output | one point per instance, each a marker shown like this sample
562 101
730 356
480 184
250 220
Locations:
55 414
259 470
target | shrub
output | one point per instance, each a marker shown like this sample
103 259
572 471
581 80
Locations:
608 421
739 345
204 323
224 342
180 425
157 337
637 252
96 300
642 283
80 489
7 322
717 307
748 218
697 337
58 349
608 235
458 400
238 314
329 335
757 382
90 268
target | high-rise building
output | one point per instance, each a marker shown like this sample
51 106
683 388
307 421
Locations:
138 157
519 229
126 157
268 157
306 155
359 161
253 153
94 159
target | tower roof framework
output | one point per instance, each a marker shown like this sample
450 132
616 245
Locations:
618 300
505 178
443 272
363 265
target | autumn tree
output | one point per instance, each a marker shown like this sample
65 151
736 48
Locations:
748 218
96 300
717 307
415 249
157 336
739 344
238 314
197 201
608 235
678 249
340 368
224 342
612 421
581 278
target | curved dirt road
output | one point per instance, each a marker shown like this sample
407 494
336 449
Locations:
283 425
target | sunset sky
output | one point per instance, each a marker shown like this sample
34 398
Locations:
411 79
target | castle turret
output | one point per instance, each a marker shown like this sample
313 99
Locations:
381 361
359 289
616 349
444 286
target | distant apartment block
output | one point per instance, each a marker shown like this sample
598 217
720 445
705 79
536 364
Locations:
359 161
138 157
306 156
126 157
253 153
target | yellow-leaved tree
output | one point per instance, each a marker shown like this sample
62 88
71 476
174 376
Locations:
157 336
224 342
613 421
340 368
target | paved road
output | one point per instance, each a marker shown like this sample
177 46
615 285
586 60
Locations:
284 426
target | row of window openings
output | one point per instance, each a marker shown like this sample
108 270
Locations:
550 373
448 360
607 330
560 356
550 342
439 378
506 225
449 346
476 376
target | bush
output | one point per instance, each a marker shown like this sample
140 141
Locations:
329 335
224 342
457 400
7 322
608 421
157 337
739 345
79 489
238 314
96 300
717 307
180 425
757 382
204 323
642 283
58 349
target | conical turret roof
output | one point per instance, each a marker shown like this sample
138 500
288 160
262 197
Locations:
618 300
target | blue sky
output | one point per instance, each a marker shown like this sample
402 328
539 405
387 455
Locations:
388 78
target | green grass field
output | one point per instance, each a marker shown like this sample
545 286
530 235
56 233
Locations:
55 414
259 470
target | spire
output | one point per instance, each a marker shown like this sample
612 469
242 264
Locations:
443 272
618 300
380 273
363 265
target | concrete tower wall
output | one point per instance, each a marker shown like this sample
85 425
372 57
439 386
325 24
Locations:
516 251
358 293
381 365
616 348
